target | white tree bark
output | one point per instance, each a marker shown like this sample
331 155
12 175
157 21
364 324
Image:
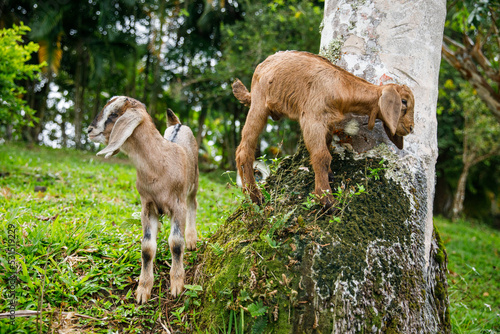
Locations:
387 41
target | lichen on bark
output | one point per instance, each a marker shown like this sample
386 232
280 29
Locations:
360 270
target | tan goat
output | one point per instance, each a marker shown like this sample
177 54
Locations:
167 179
311 90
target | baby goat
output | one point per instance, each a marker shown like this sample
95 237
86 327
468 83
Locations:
167 179
310 89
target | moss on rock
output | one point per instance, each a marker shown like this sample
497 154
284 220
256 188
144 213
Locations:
289 267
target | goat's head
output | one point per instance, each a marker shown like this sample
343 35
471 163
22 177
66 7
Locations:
115 123
396 105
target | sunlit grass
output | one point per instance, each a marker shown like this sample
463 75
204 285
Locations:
474 275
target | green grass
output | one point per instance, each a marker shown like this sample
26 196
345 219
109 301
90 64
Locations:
474 275
78 248
78 243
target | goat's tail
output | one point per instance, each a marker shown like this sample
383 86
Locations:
172 119
241 92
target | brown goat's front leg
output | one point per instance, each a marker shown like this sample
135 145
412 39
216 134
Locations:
149 221
176 243
314 137
329 139
245 154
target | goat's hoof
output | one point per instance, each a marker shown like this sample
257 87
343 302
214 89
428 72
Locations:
142 295
330 206
332 210
176 287
257 199
191 244
191 239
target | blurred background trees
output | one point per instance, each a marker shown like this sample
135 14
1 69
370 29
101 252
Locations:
469 112
185 55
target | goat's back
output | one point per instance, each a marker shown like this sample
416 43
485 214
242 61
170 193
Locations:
183 136
294 82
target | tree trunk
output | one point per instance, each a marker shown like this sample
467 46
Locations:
146 76
469 159
377 265
388 47
79 95
96 107
155 90
458 200
201 122
37 129
64 136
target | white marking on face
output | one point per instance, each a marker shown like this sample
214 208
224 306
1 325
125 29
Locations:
118 102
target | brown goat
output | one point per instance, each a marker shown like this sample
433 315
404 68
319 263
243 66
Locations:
167 179
311 90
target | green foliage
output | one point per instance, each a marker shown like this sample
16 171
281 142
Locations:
257 309
481 131
14 67
259 326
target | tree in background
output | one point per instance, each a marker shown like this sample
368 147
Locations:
166 54
469 73
14 112
471 45
480 141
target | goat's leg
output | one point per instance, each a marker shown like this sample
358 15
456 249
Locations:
329 139
176 243
314 133
191 235
149 221
245 154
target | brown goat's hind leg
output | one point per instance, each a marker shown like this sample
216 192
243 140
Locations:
176 243
314 137
149 231
245 154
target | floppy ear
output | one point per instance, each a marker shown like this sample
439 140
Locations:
397 140
390 108
123 128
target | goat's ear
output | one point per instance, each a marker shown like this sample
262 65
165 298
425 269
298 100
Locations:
396 139
390 108
123 128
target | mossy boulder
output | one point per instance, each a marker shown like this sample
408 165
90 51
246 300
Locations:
290 267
